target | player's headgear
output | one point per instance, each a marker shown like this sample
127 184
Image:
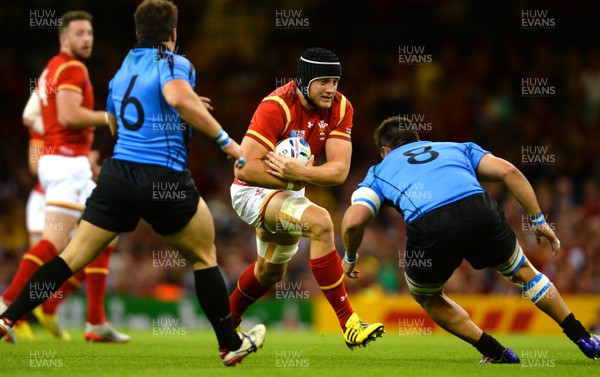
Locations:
316 63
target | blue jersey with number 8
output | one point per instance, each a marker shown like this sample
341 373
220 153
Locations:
418 177
150 131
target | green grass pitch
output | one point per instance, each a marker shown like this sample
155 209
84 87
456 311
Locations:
288 354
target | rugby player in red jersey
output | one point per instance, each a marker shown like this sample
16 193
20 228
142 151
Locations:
66 100
269 192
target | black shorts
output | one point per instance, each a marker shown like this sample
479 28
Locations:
127 191
472 228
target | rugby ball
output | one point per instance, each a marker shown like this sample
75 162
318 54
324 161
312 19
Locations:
294 147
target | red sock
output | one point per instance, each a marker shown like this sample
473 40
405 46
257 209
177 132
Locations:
330 276
51 305
41 253
95 275
248 290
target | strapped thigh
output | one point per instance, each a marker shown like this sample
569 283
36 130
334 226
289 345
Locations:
290 215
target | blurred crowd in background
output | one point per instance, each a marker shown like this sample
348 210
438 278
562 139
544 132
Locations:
473 82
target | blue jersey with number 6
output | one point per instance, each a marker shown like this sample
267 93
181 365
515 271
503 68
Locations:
150 131
418 177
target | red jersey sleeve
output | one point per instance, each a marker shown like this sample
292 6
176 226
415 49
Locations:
267 124
343 123
72 75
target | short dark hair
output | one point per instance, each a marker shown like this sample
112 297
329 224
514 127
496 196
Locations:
74 15
155 19
394 132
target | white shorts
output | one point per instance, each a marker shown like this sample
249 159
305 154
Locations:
250 202
67 181
34 212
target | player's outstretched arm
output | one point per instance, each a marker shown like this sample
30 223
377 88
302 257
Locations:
193 109
353 227
496 169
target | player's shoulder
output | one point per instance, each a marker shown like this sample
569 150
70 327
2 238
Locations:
435 144
62 63
341 108
467 148
273 104
180 59
373 175
282 100
464 146
173 64
285 95
339 97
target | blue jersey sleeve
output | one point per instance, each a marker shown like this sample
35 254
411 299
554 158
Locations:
176 67
475 153
369 179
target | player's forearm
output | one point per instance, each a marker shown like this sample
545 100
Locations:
352 240
521 189
254 173
80 117
193 111
332 173
353 228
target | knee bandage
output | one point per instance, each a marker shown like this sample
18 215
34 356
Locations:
537 287
290 215
276 254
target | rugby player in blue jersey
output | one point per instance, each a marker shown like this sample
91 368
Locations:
152 108
456 219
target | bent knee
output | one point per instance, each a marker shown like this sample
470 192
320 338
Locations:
524 274
319 220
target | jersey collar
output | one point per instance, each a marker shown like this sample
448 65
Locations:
145 43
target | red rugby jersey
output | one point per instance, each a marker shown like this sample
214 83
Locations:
64 72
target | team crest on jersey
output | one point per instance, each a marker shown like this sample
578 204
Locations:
322 126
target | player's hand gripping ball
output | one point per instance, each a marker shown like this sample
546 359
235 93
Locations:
294 147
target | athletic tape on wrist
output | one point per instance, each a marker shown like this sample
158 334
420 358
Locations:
223 139
538 219
350 260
